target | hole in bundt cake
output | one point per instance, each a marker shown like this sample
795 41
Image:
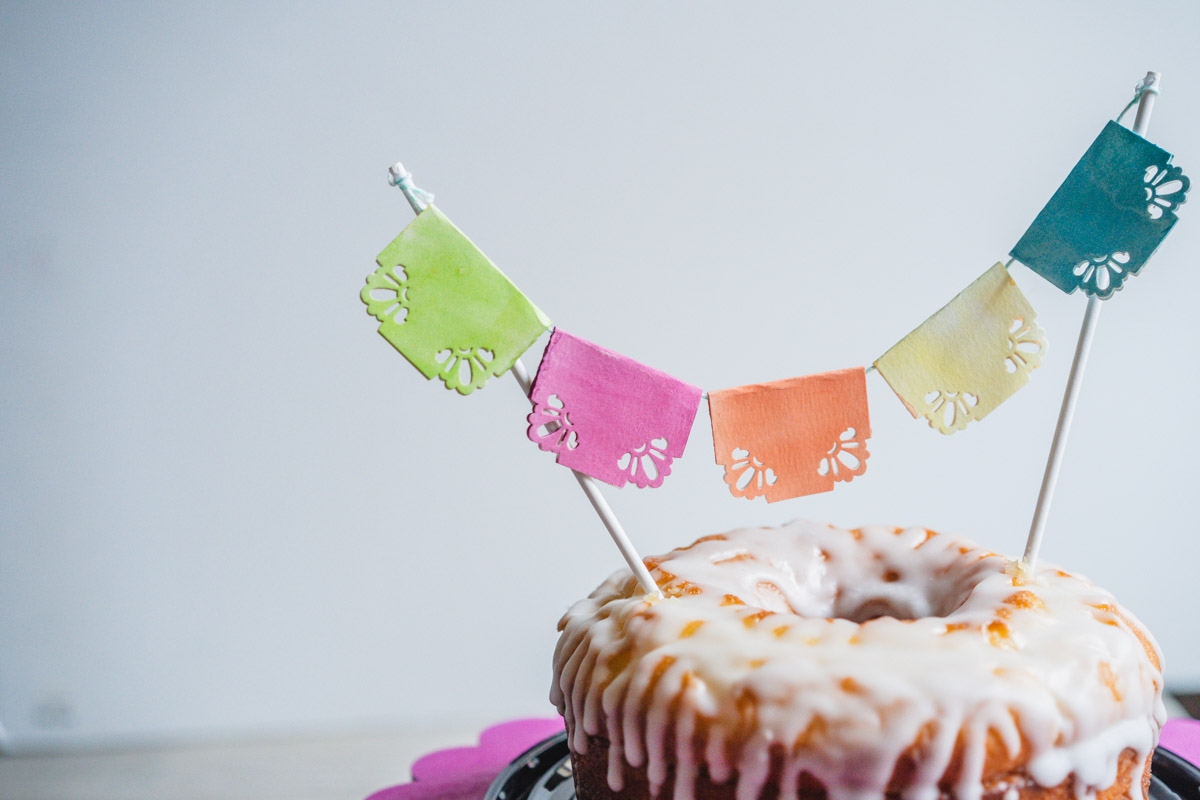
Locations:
878 607
873 590
905 596
897 576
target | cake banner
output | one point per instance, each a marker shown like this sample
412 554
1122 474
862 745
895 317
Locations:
454 315
792 437
969 357
447 308
1108 217
606 415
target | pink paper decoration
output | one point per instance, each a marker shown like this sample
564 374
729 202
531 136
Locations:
1182 737
608 416
465 773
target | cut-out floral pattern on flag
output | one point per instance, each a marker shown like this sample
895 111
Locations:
792 437
608 416
447 308
969 357
1108 217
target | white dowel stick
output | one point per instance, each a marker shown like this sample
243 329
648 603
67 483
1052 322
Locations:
419 200
1141 123
619 537
401 178
1087 332
1083 346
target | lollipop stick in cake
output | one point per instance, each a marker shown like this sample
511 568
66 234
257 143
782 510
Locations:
619 537
1147 90
420 199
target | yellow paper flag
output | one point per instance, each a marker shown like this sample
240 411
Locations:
968 358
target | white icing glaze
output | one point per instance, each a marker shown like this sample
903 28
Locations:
842 649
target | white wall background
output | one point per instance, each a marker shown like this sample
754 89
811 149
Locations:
228 506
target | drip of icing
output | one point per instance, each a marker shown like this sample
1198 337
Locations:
844 648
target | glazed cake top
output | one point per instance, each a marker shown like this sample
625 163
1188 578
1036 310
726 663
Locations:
843 648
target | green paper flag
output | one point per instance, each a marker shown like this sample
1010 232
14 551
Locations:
446 307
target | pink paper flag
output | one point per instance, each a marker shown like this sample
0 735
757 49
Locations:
608 416
792 437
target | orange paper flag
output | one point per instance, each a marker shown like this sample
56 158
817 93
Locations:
792 437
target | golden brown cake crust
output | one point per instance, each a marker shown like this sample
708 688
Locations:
591 782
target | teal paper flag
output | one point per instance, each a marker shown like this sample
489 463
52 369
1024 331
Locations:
446 307
1108 217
